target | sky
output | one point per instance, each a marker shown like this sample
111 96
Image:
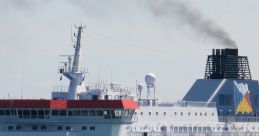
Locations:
122 42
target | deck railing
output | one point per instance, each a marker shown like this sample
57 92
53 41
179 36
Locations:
239 119
193 134
186 104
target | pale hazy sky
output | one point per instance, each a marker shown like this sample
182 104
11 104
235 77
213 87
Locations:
123 40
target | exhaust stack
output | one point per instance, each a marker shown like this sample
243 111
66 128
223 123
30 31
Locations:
226 64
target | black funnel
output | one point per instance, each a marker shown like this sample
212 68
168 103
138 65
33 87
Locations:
226 64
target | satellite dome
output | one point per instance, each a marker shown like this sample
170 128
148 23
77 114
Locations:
150 79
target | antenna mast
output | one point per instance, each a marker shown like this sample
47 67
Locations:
74 73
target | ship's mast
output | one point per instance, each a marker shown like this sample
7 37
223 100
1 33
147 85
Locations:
74 73
76 61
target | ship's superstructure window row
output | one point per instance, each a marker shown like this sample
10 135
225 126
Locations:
45 113
174 113
38 127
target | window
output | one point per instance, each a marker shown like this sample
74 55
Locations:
43 127
156 113
62 112
84 127
85 112
189 113
34 114
199 129
175 129
10 127
181 113
189 129
200 114
18 127
70 113
195 113
195 129
7 112
164 113
41 114
68 128
92 127
54 112
175 113
205 114
60 127
135 113
149 113
99 113
1 112
141 113
34 127
212 114
184 129
77 113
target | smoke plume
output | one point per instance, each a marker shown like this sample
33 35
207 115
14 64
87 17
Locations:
187 15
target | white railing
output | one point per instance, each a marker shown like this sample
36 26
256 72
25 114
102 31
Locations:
186 104
238 119
193 134
70 69
59 88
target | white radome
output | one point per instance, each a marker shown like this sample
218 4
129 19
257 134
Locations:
150 79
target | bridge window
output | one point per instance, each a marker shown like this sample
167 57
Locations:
54 112
70 113
92 127
18 127
92 113
43 128
99 113
41 114
60 127
76 112
84 127
1 112
34 127
84 112
10 127
33 114
62 112
7 112
68 128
